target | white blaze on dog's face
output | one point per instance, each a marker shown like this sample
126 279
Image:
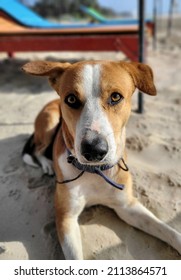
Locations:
96 108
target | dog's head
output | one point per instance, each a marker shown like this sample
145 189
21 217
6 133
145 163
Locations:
95 103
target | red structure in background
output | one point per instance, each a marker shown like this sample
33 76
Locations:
17 38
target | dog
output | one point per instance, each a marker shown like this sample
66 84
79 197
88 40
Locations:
84 132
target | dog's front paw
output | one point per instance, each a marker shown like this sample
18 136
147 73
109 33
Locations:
47 165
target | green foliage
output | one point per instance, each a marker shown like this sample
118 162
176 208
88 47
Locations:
56 8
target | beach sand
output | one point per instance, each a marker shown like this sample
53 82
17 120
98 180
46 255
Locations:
27 227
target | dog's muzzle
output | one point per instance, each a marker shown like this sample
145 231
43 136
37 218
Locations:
94 147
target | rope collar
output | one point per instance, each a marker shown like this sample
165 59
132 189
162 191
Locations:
94 169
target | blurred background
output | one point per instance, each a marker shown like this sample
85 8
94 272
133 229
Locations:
27 228
57 8
166 14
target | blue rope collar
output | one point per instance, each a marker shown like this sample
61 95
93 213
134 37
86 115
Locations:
94 169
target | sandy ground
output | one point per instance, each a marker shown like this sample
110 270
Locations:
27 228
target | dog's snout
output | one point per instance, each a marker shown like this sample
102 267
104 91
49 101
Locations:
94 147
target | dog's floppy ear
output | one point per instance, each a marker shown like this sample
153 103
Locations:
46 68
142 76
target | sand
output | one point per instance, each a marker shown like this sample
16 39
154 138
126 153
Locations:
27 228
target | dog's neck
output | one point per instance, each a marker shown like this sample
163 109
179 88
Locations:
67 136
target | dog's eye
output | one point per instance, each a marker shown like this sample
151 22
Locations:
115 98
72 101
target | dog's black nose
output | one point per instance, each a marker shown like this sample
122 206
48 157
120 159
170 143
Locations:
94 147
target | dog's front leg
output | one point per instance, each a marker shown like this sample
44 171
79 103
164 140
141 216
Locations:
70 238
140 217
67 213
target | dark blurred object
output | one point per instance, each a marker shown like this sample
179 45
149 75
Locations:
170 17
57 8
141 16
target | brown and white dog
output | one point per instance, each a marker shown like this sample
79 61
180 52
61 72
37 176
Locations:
87 127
